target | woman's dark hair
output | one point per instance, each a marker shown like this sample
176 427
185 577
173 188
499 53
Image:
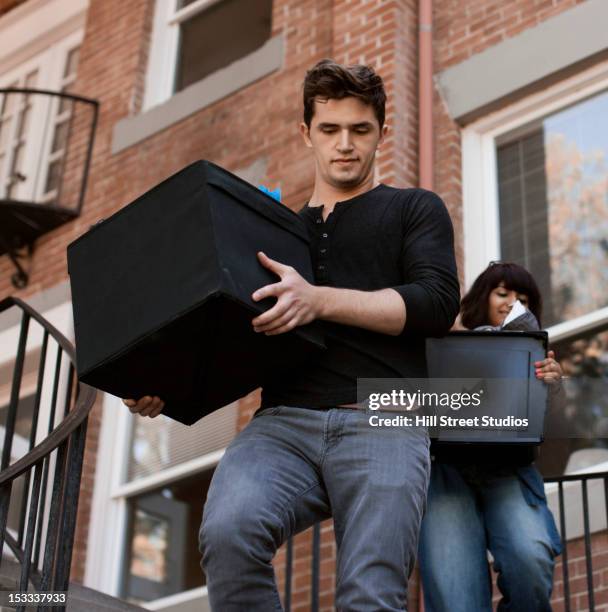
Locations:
329 80
474 305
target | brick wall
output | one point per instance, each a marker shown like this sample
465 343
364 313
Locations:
7 5
462 28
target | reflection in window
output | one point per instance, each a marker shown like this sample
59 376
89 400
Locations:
582 424
149 550
161 443
553 196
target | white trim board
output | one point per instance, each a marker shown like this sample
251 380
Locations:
32 27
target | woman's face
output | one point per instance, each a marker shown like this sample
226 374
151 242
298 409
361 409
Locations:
500 302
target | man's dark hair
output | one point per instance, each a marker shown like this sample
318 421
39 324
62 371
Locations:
474 305
328 80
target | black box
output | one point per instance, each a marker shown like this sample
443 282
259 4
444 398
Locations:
502 364
162 289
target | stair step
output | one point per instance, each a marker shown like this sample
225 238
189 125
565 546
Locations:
80 598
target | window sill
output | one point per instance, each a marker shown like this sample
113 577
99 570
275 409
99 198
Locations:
262 62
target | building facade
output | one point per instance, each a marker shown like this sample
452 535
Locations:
518 116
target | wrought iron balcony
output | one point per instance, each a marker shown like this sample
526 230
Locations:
46 142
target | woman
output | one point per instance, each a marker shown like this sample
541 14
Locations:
490 498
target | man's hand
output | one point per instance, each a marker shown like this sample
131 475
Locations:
297 300
146 406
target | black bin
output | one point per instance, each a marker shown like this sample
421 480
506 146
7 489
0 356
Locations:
501 363
162 289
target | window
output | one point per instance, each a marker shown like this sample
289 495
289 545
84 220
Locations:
584 359
60 127
34 129
535 192
218 35
151 484
162 540
553 211
195 38
552 198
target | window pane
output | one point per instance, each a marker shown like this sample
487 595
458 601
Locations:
162 540
4 128
554 207
9 100
53 177
24 120
149 546
161 443
220 35
65 104
71 63
16 175
584 361
60 137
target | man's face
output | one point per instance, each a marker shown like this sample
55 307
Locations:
344 135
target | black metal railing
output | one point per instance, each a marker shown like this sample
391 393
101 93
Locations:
575 486
45 158
39 490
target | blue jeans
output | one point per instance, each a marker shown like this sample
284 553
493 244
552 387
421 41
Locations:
291 467
506 514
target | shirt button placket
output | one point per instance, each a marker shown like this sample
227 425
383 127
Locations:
322 260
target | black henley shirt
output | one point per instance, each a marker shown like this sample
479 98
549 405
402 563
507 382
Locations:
385 237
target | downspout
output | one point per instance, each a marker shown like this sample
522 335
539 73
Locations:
425 94
425 126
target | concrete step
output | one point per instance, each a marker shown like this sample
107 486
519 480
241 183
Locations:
80 598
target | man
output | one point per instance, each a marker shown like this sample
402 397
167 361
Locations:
385 278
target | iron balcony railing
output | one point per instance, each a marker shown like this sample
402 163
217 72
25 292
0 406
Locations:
575 487
46 417
46 144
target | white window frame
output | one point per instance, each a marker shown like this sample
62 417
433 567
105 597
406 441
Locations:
162 64
480 184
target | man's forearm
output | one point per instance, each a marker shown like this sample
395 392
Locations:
381 311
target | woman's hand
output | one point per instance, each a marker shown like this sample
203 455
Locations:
548 370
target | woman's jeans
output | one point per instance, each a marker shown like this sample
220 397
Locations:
470 512
292 467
